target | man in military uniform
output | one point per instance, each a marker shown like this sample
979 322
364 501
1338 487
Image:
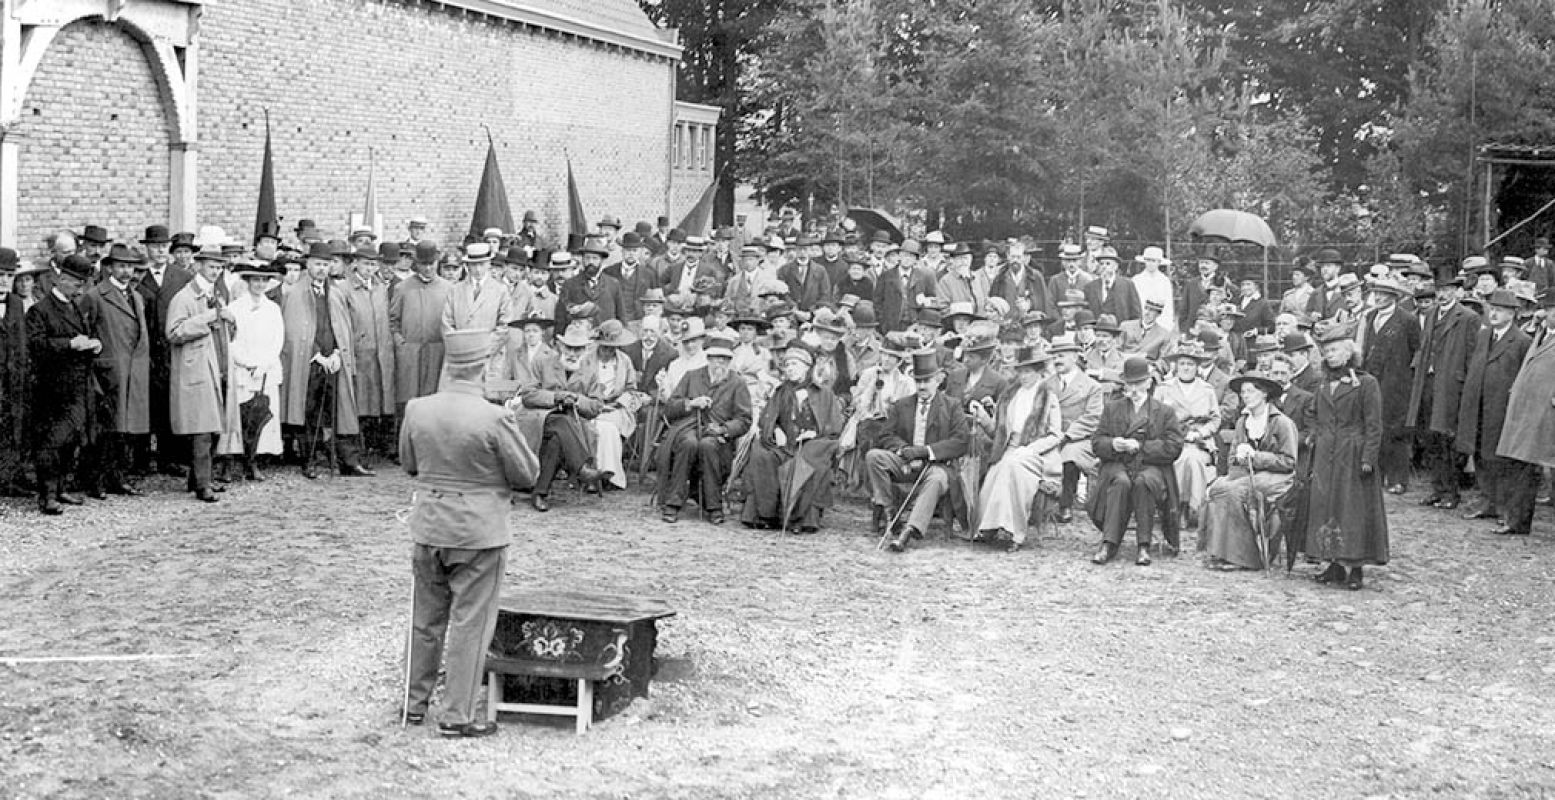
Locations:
467 457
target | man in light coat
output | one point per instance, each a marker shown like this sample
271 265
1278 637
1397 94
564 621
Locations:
467 458
1080 402
197 328
320 367
416 323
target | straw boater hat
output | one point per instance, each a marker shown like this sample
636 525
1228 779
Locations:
1271 389
1348 281
1073 299
477 253
1071 252
560 260
1388 285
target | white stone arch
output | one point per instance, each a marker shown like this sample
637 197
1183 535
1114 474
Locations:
167 31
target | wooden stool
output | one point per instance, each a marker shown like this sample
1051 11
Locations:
583 674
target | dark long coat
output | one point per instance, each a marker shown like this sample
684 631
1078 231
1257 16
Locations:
1160 443
1031 286
605 294
1492 371
62 377
809 292
1529 433
1345 516
632 289
771 467
948 435
15 392
123 368
1194 295
1388 356
731 408
1451 347
1122 300
895 302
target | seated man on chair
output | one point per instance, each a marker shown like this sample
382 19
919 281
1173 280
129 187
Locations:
567 433
923 433
709 410
1138 440
1080 401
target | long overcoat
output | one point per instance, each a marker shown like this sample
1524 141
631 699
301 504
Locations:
1451 347
373 347
416 322
1492 370
62 377
299 350
123 367
198 400
1345 517
1389 354
1529 432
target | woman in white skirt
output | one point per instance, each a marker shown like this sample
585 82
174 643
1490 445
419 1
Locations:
617 389
1198 409
256 362
1027 429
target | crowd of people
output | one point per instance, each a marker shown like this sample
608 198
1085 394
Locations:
766 376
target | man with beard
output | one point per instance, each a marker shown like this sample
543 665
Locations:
590 294
566 435
320 384
1327 298
922 434
799 428
116 315
634 276
1388 339
1023 288
63 350
684 277
416 323
708 410
1115 294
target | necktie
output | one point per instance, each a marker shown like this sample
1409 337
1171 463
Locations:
130 302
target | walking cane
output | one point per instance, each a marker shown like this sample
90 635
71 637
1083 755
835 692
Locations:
890 526
701 496
410 624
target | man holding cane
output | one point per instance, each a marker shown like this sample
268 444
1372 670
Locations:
467 457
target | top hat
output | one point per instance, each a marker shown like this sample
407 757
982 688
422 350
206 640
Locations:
269 228
96 234
156 234
925 364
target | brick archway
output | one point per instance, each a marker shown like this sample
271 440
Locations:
167 31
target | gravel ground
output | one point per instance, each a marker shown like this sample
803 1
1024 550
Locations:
803 667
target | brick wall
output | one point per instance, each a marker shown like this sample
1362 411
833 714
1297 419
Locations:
93 140
413 81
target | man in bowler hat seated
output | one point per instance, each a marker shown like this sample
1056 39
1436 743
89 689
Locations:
467 457
923 434
1137 441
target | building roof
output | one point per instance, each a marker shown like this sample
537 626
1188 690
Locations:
617 22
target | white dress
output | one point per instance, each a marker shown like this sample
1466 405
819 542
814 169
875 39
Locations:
256 362
1014 481
1156 286
1199 410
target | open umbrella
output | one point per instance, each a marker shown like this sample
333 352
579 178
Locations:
873 219
1233 226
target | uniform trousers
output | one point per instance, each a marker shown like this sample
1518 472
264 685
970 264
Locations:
561 444
1119 494
711 458
886 470
453 616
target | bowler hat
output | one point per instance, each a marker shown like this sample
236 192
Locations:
1303 266
1502 298
1327 255
632 239
1296 343
863 315
530 216
930 317
664 222
389 252
675 235
96 234
426 252
925 364
124 254
155 234
1106 323
306 225
465 347
609 221
1084 318
1136 369
370 253
834 236
183 239
76 266
9 261
321 250
1271 389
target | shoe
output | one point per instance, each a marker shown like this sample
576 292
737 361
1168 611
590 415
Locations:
1448 504
126 490
253 475
540 502
669 514
469 730
70 499
1142 558
1508 531
903 539
216 487
1333 574
1064 516
50 506
878 520
96 493
588 476
1485 512
1013 547
1432 500
1397 488
357 471
715 517
1355 582
310 472
205 496
415 717
1107 552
